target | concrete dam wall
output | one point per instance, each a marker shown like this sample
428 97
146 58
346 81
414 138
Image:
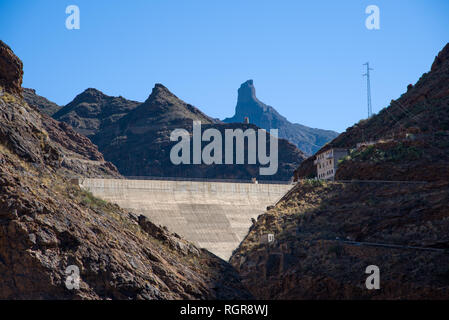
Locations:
213 215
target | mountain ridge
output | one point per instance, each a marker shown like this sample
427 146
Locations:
146 131
137 139
92 110
33 99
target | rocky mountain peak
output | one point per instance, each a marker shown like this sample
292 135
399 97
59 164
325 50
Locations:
90 95
307 139
163 106
11 70
247 92
160 92
443 56
160 86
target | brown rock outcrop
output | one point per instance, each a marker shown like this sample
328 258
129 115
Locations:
11 70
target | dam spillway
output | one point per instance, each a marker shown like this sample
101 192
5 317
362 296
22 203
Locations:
213 215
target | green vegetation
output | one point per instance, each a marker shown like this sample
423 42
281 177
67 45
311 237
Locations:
337 249
88 199
314 182
400 151
346 158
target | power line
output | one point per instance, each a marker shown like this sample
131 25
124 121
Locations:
368 89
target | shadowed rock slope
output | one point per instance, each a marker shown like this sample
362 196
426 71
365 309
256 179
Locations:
33 99
308 140
92 110
327 233
48 224
311 258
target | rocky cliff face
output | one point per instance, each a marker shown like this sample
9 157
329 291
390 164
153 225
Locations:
11 70
138 142
48 224
308 140
43 104
327 233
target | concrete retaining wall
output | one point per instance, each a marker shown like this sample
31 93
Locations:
213 215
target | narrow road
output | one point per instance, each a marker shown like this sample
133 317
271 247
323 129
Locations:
386 245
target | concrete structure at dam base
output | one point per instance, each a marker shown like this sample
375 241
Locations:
213 215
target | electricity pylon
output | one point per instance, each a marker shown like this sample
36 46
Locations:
368 89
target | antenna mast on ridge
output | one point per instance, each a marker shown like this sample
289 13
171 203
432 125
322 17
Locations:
368 89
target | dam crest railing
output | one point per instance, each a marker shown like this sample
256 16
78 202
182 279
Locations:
191 179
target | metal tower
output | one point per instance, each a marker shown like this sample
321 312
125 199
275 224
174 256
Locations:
368 89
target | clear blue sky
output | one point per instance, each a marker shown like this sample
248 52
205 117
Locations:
305 56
